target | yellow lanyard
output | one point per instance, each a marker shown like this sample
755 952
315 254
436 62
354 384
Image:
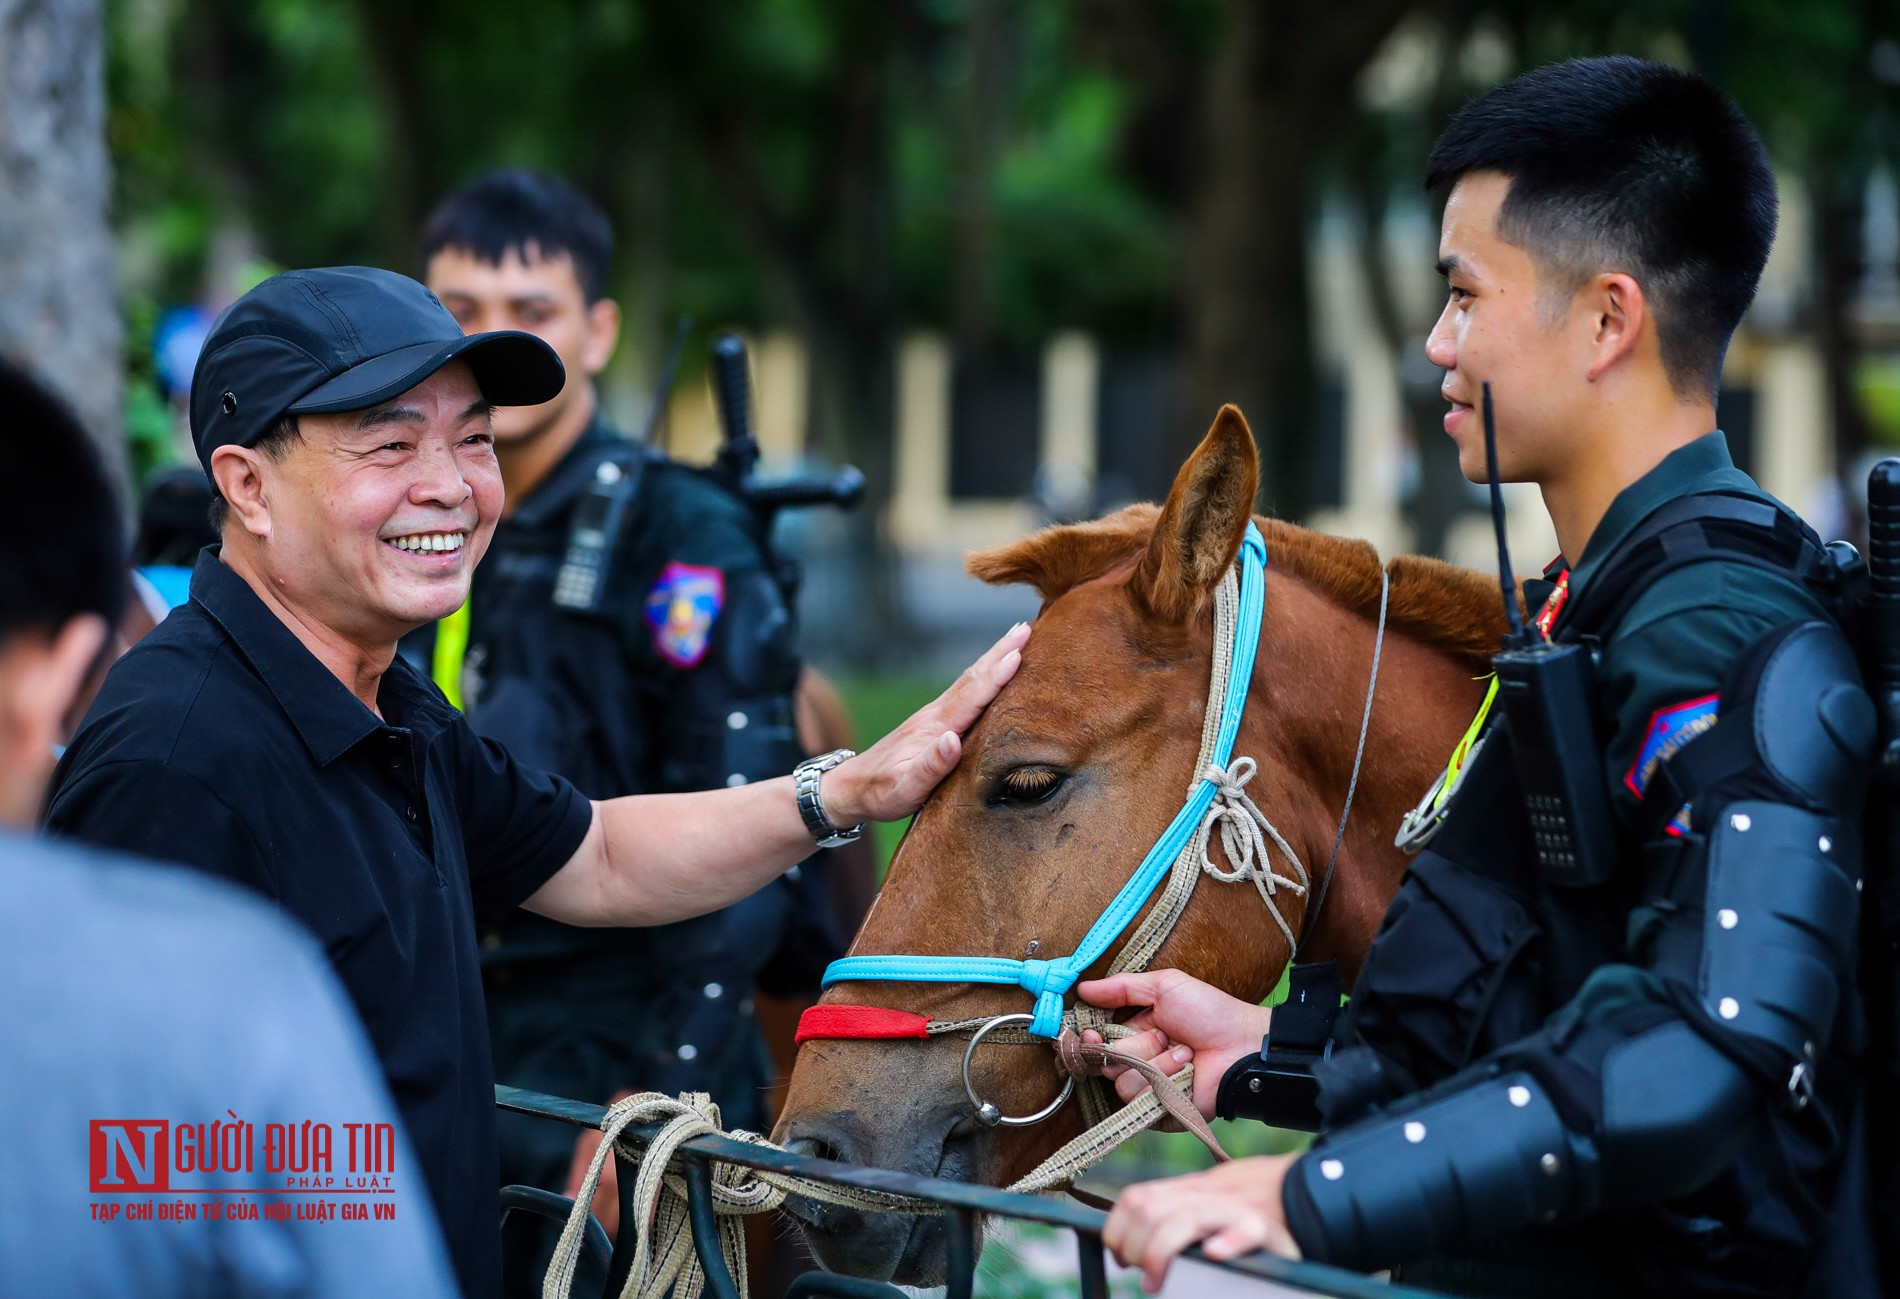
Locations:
1460 754
451 647
1552 607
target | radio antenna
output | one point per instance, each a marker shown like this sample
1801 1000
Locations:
1506 582
659 428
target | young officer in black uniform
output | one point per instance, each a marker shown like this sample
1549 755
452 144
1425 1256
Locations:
625 630
1605 1040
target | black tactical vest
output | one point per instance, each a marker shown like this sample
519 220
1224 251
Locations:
1478 949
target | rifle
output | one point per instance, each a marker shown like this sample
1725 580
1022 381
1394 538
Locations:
739 451
735 467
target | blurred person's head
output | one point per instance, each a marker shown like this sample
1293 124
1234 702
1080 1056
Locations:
62 581
174 517
1607 225
344 419
518 249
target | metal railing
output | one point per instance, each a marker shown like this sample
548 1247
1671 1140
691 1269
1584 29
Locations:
964 1205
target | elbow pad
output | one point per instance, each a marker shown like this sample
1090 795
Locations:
1761 921
1779 922
1397 1187
1674 1110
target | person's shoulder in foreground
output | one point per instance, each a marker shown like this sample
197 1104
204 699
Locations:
152 767
139 996
142 1002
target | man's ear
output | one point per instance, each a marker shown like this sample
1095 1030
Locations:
74 651
1619 314
603 335
239 474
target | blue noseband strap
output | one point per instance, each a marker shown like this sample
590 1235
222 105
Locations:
1050 981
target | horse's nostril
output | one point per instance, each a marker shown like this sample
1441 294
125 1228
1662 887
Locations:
818 1215
816 1148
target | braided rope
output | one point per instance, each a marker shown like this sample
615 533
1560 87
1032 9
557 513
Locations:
665 1262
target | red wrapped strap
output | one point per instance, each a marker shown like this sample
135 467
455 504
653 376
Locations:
861 1022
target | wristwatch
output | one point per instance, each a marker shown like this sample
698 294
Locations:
811 804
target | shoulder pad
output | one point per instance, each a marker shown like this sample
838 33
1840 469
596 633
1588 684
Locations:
1814 724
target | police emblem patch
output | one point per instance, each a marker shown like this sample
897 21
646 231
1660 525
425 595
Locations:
681 609
1669 729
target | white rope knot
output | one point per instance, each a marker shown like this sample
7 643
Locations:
1244 832
664 1259
665 1262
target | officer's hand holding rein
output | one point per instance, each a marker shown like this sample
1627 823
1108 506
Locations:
653 858
1183 1019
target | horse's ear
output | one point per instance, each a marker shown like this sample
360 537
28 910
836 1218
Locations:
1059 559
1201 527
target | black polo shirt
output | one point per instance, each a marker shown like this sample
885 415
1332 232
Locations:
221 742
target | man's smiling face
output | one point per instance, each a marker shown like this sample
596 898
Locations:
1501 326
377 517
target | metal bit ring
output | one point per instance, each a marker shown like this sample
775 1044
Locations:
987 1114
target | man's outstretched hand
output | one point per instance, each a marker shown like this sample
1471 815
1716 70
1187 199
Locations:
892 778
1232 1209
1185 1020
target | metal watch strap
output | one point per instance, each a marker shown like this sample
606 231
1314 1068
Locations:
811 805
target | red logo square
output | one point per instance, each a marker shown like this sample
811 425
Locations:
130 1156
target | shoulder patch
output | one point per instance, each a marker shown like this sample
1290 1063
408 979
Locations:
681 609
1669 729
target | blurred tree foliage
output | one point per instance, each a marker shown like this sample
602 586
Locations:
1145 169
764 160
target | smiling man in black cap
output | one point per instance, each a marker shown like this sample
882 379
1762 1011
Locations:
268 732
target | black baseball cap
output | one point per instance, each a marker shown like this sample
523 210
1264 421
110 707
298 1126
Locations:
345 338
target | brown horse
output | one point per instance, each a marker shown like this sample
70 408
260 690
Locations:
1078 766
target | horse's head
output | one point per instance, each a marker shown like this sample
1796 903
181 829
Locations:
1077 768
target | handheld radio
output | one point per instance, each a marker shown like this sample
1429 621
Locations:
1546 689
600 512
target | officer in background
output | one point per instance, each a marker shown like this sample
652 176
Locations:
1606 1041
624 630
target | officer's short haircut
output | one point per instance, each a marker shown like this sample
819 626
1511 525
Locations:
529 213
62 548
1619 164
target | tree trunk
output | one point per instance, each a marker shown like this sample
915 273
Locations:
59 311
1272 100
1837 192
828 260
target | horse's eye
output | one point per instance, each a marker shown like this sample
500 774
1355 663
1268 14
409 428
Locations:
1027 785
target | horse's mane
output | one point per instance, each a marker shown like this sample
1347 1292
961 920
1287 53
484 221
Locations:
1449 608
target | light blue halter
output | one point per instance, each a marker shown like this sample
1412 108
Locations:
1050 981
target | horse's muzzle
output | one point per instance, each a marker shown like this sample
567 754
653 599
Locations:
906 1249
